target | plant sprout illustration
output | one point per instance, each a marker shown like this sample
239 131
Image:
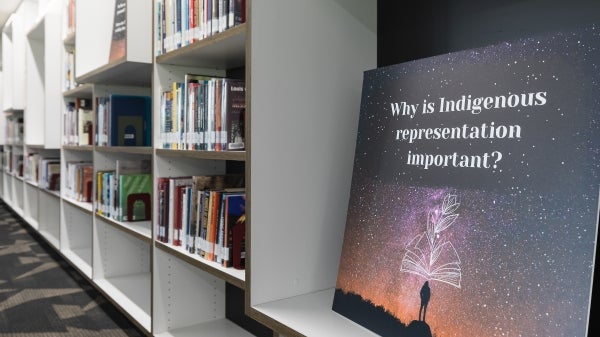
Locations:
431 256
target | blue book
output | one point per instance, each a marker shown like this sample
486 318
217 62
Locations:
130 120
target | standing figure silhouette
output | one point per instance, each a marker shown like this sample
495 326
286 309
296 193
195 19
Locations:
425 295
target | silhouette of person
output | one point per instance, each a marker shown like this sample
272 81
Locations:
425 295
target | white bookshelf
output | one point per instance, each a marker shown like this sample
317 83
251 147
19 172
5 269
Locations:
49 216
303 97
44 103
121 269
76 234
337 46
94 28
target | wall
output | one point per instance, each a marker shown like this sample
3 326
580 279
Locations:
426 28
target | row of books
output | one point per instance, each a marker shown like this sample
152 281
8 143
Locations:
123 120
14 130
44 171
78 180
183 22
13 161
125 193
78 119
204 113
69 70
205 215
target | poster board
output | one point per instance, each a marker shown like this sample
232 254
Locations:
477 172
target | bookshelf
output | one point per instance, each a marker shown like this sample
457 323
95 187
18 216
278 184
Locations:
159 286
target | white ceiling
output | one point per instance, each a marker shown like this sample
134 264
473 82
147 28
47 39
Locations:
6 8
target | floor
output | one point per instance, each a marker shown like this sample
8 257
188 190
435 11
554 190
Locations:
41 295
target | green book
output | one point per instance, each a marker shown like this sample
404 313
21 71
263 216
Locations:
135 192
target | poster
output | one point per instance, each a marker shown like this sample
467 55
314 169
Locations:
474 200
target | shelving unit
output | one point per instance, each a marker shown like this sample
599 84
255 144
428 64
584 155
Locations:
302 96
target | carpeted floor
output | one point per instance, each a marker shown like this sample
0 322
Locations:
41 295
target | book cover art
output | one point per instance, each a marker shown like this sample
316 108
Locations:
130 120
118 45
85 118
234 215
135 192
473 208
235 107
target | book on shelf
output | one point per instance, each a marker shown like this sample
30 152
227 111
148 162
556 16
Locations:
204 113
177 188
234 217
180 23
85 118
102 118
135 192
104 202
69 123
31 167
127 167
189 211
118 43
79 180
87 183
50 174
130 120
191 120
234 102
162 194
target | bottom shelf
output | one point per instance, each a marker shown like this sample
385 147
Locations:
311 315
221 327
79 258
50 238
132 294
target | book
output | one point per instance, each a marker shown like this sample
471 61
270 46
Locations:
135 197
238 243
102 118
85 117
201 187
87 183
126 166
234 215
177 186
118 44
163 215
235 115
130 120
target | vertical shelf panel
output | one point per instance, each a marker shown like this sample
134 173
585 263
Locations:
338 47
121 268
30 204
76 236
35 84
49 217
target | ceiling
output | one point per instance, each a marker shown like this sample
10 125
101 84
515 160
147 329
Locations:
6 8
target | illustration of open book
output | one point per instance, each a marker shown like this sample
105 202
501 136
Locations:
428 254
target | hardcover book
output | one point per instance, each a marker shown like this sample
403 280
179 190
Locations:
118 45
130 120
85 118
235 114
473 207
234 215
134 197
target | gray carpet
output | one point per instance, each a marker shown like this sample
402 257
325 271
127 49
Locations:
41 295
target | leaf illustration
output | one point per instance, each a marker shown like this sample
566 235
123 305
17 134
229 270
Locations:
429 255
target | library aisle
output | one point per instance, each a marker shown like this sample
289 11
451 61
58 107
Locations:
42 295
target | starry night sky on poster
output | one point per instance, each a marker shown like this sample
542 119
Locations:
526 222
